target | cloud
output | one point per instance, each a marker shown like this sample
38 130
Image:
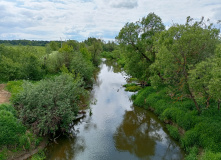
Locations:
129 4
79 19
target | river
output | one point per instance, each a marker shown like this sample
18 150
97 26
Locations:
116 130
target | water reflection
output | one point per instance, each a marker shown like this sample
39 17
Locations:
115 130
112 66
66 148
142 134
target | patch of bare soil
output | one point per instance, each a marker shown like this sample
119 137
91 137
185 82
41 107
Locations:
4 95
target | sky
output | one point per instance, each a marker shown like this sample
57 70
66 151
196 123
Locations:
80 19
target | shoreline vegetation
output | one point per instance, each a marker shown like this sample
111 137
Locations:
48 86
177 69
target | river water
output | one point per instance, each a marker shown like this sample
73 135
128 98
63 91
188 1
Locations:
116 130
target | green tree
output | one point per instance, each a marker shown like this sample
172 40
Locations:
67 53
82 66
137 39
55 45
84 51
51 104
215 82
179 49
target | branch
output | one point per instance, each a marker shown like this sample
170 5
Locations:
148 60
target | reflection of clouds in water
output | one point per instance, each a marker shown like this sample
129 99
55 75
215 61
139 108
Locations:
116 129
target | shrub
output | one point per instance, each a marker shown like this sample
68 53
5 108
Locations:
3 154
24 141
187 120
160 106
39 156
50 104
11 128
83 67
209 135
141 96
210 155
190 139
192 154
172 114
174 132
9 108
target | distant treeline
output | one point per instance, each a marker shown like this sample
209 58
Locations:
24 42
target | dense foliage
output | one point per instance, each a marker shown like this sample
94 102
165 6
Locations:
20 63
182 64
13 133
50 104
47 81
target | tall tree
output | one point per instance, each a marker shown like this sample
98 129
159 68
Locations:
137 39
180 48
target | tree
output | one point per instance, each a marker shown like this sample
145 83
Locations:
137 39
95 49
215 82
66 53
50 105
83 66
180 49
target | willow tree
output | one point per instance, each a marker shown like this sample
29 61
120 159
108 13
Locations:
137 40
180 49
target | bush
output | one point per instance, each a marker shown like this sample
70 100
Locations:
9 108
50 104
172 113
141 96
174 132
11 129
187 120
190 139
25 142
160 106
83 67
192 154
3 154
209 135
210 155
39 156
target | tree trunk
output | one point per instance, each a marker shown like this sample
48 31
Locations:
193 98
185 71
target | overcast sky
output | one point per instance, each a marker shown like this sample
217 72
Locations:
80 19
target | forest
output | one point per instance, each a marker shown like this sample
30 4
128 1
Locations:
177 70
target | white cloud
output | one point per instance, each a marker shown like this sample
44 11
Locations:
79 19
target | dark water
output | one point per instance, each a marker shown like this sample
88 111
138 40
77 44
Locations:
116 130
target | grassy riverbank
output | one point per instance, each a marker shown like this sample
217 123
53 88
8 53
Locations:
198 134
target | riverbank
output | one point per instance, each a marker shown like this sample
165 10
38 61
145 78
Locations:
24 144
115 129
198 134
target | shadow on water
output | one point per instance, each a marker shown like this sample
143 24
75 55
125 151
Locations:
116 129
143 135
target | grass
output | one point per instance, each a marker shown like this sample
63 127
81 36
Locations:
200 131
132 87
